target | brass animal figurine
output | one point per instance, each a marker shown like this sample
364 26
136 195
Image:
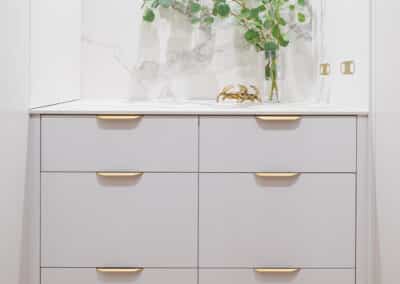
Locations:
241 96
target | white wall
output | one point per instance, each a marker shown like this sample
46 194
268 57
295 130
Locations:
14 101
348 38
386 104
55 51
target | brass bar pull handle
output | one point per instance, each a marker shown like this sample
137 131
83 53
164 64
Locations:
277 175
276 270
119 269
118 117
119 174
279 118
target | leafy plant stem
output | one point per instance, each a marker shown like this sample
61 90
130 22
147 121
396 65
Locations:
266 23
272 63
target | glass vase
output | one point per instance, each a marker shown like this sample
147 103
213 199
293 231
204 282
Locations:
273 76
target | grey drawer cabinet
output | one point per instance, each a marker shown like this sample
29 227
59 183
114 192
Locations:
199 199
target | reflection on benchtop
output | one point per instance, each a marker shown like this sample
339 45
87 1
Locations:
196 108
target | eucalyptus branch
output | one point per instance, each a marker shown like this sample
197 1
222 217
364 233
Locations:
264 26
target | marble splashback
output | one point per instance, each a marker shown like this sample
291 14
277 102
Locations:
126 58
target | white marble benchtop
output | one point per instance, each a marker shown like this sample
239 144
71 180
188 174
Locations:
82 107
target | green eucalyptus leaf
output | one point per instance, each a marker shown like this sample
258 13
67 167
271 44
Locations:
195 8
301 17
223 10
252 36
215 11
254 14
276 31
283 41
282 21
268 24
245 13
149 15
208 20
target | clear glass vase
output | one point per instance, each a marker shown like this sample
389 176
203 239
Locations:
273 76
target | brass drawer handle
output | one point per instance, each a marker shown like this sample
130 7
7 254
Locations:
118 117
119 269
279 118
277 175
277 270
119 174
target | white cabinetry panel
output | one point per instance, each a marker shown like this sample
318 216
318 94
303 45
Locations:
249 276
249 221
247 144
90 276
151 143
147 221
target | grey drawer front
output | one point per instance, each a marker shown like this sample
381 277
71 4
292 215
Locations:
305 221
304 276
248 144
151 143
90 221
91 276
